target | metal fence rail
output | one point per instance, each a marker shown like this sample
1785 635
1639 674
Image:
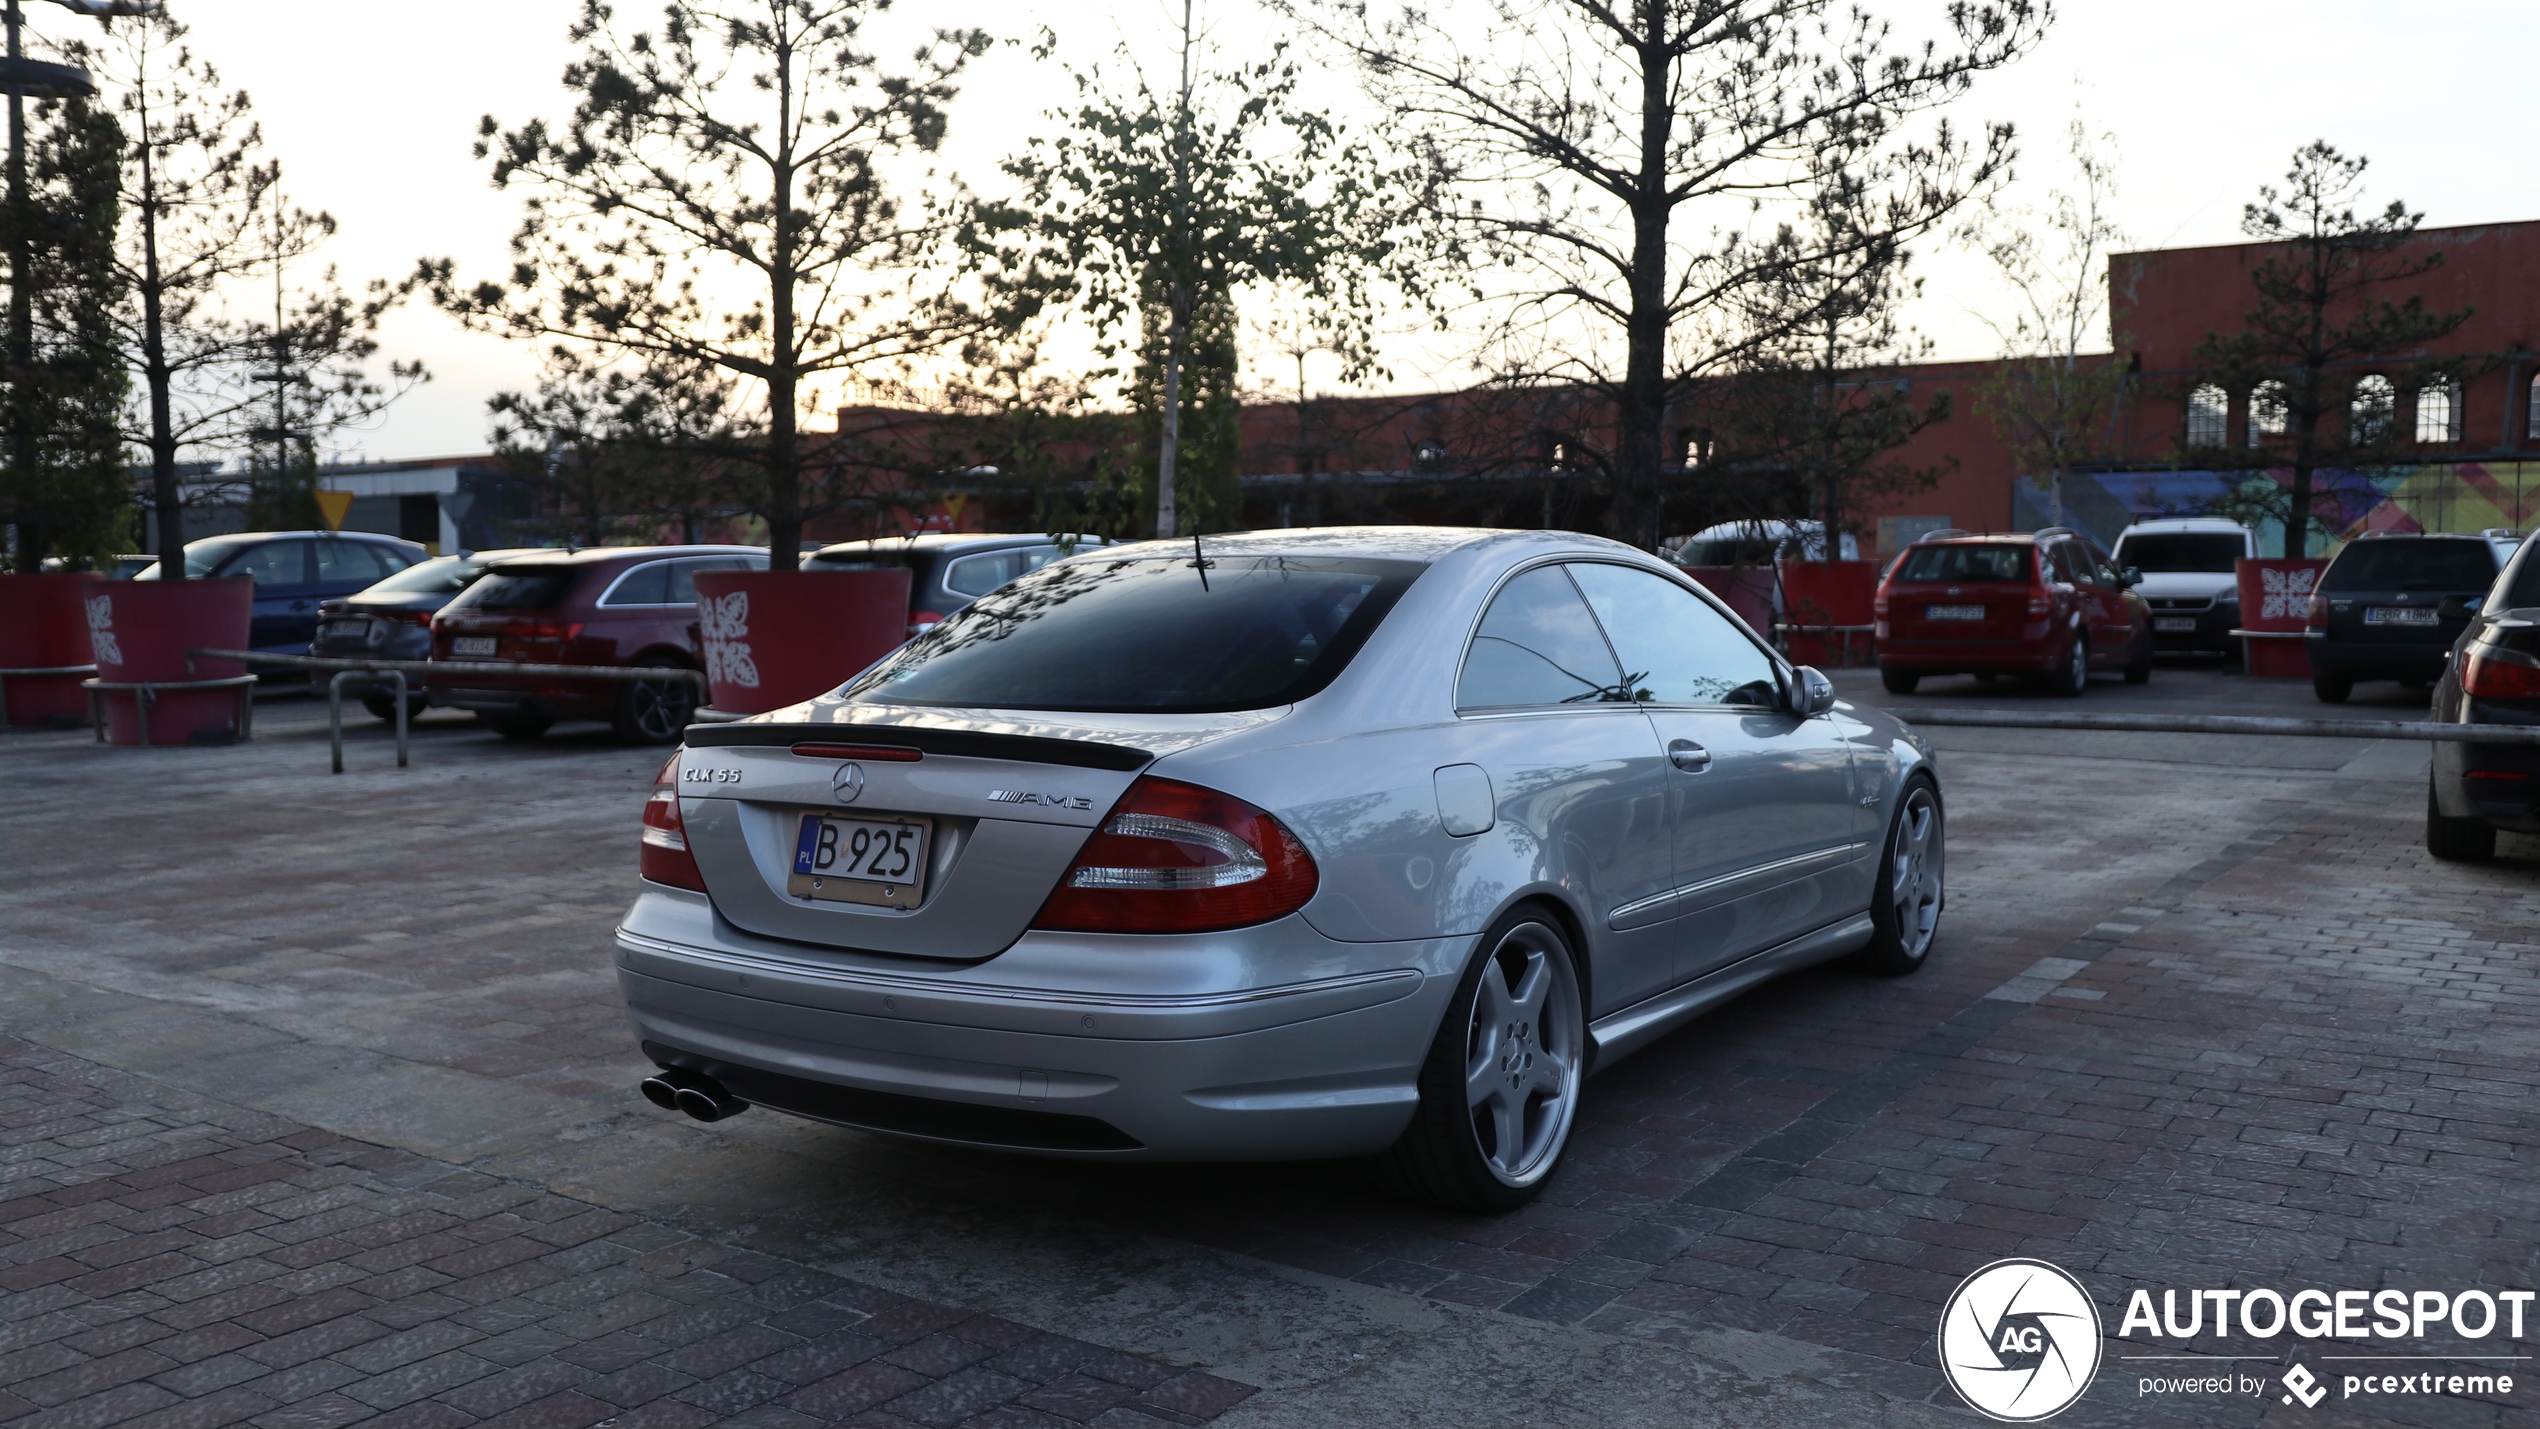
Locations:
2426 730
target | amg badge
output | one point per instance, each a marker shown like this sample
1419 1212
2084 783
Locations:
1047 801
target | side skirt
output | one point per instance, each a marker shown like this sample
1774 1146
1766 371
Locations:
1620 1034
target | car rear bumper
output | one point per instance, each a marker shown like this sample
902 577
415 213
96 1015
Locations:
549 703
2354 661
1016 1053
2212 632
1952 656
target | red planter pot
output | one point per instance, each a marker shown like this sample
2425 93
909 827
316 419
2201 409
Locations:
777 638
141 631
44 626
2275 598
1829 593
1748 590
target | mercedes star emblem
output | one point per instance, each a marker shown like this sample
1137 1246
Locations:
848 783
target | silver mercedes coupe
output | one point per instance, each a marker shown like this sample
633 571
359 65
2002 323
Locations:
1323 843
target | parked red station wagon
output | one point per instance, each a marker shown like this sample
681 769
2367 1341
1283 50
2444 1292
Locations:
2030 602
607 605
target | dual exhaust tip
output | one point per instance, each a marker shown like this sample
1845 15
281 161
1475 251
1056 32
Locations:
700 1096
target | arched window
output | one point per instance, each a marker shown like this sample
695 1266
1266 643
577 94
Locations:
2375 409
2269 414
2439 412
2208 416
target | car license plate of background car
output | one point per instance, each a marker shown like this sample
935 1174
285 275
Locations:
347 629
471 644
2174 622
875 861
2400 615
1953 612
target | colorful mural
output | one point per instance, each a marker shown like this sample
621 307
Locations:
2449 497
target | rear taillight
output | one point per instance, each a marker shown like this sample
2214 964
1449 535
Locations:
2490 677
545 629
2315 610
1176 858
420 619
2041 601
665 857
1878 604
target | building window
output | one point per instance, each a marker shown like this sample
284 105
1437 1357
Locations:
2439 412
2269 414
2531 411
2374 413
2208 416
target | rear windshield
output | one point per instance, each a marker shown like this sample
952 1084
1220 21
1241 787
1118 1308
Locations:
520 588
1987 562
1148 636
2188 552
2526 586
438 576
2413 565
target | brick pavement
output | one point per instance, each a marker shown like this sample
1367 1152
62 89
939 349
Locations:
168 1261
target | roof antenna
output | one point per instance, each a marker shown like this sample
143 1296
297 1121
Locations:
1199 559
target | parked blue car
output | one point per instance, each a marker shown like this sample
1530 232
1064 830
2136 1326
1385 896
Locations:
294 571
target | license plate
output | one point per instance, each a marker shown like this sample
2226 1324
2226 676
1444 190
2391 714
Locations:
2174 622
347 629
1953 612
2401 615
471 644
879 861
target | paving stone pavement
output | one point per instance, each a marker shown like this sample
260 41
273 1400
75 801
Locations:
2203 1014
169 1261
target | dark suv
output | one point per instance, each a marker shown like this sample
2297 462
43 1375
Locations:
2492 677
2041 602
2392 606
610 605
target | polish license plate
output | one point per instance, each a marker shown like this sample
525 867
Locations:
877 861
471 644
347 629
1953 612
2400 615
2175 622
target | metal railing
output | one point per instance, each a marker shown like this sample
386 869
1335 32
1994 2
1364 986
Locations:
2426 730
7 675
146 693
397 670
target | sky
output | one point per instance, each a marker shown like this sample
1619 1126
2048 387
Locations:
372 108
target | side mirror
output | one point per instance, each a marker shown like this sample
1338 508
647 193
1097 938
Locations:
1811 693
2133 577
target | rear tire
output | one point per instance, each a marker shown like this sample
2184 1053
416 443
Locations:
1499 1092
1911 891
2138 671
514 726
654 712
2074 677
384 707
1899 682
2332 689
2456 840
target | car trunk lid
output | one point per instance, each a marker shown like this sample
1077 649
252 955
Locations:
1007 799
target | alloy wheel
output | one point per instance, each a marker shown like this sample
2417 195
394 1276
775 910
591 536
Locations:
1915 872
1523 1056
661 710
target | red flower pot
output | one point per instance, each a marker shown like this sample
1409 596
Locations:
777 638
2275 600
141 631
44 626
1829 593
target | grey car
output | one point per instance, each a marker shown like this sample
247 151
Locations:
1311 844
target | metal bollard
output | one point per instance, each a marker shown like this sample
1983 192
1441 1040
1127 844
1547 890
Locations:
335 713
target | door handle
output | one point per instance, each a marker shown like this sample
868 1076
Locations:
1688 756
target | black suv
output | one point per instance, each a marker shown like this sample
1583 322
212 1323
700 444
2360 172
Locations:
2493 678
2391 606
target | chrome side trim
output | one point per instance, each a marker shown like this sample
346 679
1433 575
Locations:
945 987
1620 1034
1691 890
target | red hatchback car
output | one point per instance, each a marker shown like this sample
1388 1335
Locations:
2036 602
607 605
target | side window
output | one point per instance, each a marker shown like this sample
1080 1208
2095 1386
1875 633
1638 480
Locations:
347 561
1676 650
2062 565
644 585
391 559
683 574
273 563
1537 646
978 575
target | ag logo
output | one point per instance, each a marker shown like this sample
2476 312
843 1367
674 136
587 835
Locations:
2019 1340
847 783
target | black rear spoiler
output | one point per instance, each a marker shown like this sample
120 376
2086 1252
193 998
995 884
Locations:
967 744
